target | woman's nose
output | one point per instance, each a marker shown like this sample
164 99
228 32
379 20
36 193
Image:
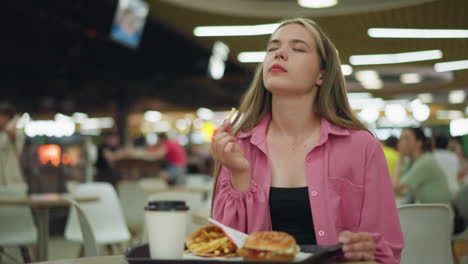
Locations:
281 54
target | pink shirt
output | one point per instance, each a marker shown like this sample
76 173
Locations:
348 182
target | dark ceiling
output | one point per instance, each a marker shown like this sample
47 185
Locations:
57 57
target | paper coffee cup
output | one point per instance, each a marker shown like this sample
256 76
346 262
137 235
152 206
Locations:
166 222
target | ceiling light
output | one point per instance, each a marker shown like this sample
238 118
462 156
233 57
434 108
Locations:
216 68
408 78
455 114
395 58
251 56
449 114
421 112
416 33
459 127
152 116
249 30
357 96
426 98
216 64
369 114
451 66
369 79
396 113
205 113
346 69
317 3
456 96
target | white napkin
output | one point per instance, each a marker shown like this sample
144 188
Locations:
235 236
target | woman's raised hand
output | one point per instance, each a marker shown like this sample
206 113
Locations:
227 151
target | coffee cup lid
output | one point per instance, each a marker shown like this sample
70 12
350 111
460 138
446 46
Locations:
166 206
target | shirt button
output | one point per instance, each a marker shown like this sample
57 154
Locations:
309 158
313 193
321 233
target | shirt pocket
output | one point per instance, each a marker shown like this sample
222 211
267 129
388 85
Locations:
347 199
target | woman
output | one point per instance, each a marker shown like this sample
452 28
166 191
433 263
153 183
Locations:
296 159
421 174
11 146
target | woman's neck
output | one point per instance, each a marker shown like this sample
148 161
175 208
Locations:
417 154
294 117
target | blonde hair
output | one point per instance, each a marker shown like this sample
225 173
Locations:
331 101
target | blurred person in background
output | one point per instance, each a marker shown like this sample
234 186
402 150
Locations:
108 152
11 146
299 160
418 171
175 159
448 162
455 147
391 154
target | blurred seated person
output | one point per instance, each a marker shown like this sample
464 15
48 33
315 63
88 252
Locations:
455 146
391 154
11 146
417 170
175 159
108 152
448 162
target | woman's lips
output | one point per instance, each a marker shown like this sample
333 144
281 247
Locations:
277 68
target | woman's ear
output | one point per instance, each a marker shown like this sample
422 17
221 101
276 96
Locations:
319 81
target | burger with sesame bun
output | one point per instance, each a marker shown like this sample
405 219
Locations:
269 246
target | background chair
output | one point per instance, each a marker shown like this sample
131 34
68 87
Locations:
105 217
427 230
151 185
17 228
460 241
133 200
89 242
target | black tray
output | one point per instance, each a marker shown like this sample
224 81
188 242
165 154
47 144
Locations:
321 254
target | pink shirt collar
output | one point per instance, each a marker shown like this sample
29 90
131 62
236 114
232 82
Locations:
258 133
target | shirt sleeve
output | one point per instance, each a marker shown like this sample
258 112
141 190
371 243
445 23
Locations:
379 215
232 207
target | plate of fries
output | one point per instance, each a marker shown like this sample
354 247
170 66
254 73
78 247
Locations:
210 242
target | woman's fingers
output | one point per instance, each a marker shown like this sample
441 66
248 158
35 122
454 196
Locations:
221 147
218 145
357 246
359 256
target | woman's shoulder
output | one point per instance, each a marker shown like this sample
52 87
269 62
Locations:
362 138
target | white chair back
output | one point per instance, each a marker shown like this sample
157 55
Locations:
133 200
105 215
89 241
17 226
427 231
461 201
151 185
197 180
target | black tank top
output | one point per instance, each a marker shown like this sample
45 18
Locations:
290 212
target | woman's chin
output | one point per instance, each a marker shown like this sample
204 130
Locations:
283 90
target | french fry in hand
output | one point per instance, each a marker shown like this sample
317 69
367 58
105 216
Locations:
231 114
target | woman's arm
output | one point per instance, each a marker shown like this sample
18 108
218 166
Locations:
379 215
